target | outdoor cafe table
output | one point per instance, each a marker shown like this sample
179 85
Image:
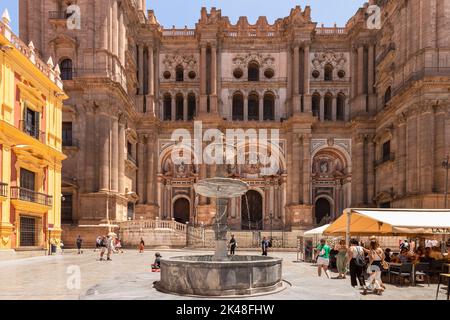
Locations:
398 267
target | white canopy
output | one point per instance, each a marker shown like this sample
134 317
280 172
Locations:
391 222
316 232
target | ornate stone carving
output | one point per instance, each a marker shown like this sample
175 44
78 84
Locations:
265 61
336 59
188 62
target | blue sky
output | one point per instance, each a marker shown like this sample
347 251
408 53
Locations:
187 12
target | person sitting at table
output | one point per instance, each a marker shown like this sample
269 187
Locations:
418 255
387 255
404 255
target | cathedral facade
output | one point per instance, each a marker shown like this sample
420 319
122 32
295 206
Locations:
362 112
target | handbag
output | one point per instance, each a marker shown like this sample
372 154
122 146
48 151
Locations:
384 264
360 259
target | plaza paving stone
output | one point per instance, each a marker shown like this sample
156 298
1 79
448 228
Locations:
128 277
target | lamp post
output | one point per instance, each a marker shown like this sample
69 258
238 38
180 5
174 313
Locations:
446 166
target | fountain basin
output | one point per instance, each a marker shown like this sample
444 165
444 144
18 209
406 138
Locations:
202 276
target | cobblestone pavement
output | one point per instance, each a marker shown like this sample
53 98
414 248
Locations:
128 276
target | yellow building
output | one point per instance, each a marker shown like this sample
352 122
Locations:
31 102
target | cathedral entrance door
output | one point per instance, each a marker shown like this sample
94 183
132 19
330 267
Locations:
252 219
322 210
181 210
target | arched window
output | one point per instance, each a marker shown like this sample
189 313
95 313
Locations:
328 72
340 112
387 96
253 107
179 107
167 107
253 71
269 107
192 106
238 107
179 73
66 69
316 104
328 107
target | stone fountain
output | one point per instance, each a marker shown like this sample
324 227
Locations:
220 274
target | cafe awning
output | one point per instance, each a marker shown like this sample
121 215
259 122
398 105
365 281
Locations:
316 232
386 222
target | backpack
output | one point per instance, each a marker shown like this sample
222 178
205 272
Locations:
270 244
360 259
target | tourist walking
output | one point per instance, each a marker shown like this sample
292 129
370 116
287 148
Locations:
233 245
103 247
61 246
109 247
141 246
323 258
376 262
264 246
118 245
79 244
356 259
97 243
341 259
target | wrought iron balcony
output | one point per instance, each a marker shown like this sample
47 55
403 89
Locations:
23 194
32 130
3 189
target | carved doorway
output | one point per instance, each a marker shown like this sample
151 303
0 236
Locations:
181 210
322 211
252 211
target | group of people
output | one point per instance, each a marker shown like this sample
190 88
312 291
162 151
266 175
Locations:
356 259
108 244
265 245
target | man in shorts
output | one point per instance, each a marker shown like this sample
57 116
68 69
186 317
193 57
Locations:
323 258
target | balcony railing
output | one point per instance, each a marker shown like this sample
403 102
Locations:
3 189
18 193
32 130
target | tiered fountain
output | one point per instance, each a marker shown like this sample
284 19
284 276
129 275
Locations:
220 274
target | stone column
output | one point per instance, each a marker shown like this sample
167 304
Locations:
354 72
261 108
245 107
141 69
426 141
185 107
322 108
411 154
347 109
296 98
121 39
334 109
307 169
360 70
115 29
122 152
90 153
401 161
115 154
295 168
439 149
104 151
174 109
141 170
306 79
358 171
151 83
151 173
371 182
370 69
296 69
203 79
214 71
